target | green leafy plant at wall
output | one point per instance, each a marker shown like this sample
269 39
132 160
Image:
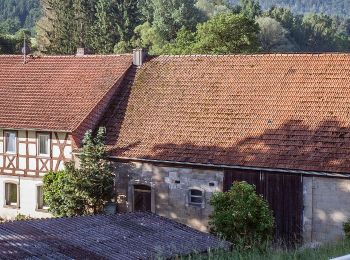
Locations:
242 217
346 227
84 190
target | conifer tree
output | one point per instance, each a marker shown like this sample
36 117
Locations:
104 31
84 190
127 18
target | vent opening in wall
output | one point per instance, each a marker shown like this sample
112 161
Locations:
196 197
211 184
177 182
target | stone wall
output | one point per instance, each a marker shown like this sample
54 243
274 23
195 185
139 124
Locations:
170 187
326 208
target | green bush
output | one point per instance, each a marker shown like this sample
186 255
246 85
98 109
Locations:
346 227
84 190
242 217
20 217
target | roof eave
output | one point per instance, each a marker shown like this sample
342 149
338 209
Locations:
35 129
303 172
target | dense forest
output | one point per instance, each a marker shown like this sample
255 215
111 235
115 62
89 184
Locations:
172 27
330 7
17 14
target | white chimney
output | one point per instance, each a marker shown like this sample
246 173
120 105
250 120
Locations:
139 56
81 52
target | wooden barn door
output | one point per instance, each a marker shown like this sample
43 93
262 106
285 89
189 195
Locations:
284 193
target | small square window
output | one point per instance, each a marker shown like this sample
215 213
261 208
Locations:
10 142
41 204
196 197
44 144
11 195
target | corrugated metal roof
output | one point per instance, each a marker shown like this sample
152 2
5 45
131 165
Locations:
127 236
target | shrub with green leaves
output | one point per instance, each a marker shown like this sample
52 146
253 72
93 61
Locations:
346 227
84 190
242 217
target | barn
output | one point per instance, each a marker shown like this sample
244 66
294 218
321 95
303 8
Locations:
182 127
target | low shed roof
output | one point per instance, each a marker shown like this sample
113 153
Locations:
128 236
274 111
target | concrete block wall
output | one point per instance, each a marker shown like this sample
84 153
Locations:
171 186
326 208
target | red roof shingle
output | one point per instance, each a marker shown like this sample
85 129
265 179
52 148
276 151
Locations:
276 111
56 92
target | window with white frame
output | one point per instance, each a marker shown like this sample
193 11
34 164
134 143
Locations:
41 204
196 197
11 194
10 141
44 144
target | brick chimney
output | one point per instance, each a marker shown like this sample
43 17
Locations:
139 56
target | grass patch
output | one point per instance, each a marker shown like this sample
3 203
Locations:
324 252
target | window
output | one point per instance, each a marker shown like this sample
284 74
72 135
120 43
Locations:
11 195
196 197
41 204
44 144
10 142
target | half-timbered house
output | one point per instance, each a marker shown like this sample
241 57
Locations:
46 105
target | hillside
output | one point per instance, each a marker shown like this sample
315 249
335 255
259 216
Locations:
330 7
16 14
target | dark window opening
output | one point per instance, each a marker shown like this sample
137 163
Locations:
196 197
142 198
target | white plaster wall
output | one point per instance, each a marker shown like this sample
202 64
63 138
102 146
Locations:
326 208
27 198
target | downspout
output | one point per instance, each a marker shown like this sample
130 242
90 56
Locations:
312 208
19 192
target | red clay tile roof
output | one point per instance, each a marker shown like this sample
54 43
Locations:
57 92
274 111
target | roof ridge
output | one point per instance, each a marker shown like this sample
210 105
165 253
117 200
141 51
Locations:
67 56
256 54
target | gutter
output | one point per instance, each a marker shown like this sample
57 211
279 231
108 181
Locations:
34 129
310 173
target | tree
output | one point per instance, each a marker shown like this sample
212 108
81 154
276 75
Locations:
272 36
319 33
242 217
13 44
7 44
127 13
183 44
212 7
171 15
84 190
145 36
226 34
104 32
66 25
250 8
